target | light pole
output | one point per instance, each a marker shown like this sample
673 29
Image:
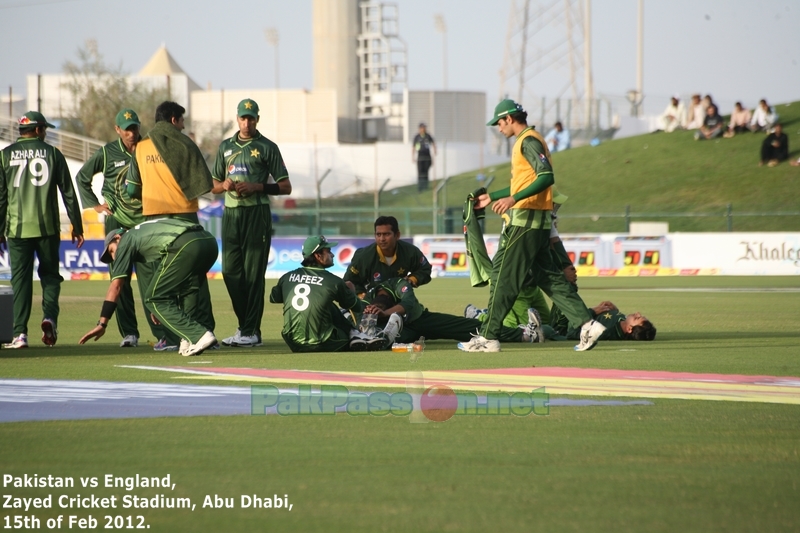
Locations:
441 27
273 38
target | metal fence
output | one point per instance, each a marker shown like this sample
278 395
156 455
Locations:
71 145
419 220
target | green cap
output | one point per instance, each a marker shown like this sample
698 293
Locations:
506 107
247 108
315 244
106 257
559 198
127 118
33 119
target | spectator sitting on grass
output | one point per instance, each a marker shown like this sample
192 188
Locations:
712 125
775 147
673 117
740 120
764 117
696 113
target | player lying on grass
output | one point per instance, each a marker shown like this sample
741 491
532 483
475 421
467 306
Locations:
311 320
396 296
619 326
187 252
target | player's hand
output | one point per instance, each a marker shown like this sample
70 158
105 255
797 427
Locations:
571 273
245 188
482 201
503 204
228 185
103 209
154 319
95 333
77 239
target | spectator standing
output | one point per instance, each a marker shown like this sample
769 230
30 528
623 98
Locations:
421 155
558 139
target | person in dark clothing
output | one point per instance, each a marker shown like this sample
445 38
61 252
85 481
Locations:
775 147
421 154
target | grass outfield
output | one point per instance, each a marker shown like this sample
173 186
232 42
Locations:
673 466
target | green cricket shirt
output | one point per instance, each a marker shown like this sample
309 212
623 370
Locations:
147 242
30 173
254 160
307 295
368 266
113 161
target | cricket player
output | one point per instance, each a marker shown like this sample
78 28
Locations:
187 252
31 173
311 320
121 211
248 169
526 206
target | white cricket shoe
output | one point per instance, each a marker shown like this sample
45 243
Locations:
590 334
470 311
20 341
129 341
478 343
185 344
228 341
197 348
532 331
393 327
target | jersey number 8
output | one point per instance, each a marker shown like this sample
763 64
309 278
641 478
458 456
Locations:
38 169
300 300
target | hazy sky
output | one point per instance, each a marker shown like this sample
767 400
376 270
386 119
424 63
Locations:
732 49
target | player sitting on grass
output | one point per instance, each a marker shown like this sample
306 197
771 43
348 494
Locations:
396 296
311 320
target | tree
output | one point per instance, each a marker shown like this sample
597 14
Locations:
99 91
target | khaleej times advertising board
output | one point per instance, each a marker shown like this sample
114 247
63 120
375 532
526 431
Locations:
603 254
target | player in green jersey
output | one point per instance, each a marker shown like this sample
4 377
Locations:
31 173
387 258
187 252
121 211
396 296
311 320
248 169
524 249
619 326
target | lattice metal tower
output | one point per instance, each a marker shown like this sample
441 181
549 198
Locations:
547 63
383 70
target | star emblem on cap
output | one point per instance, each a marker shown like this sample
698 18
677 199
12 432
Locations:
127 115
248 105
254 152
607 315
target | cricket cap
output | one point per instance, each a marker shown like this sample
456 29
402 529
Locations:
506 107
247 108
106 257
127 118
33 119
315 244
